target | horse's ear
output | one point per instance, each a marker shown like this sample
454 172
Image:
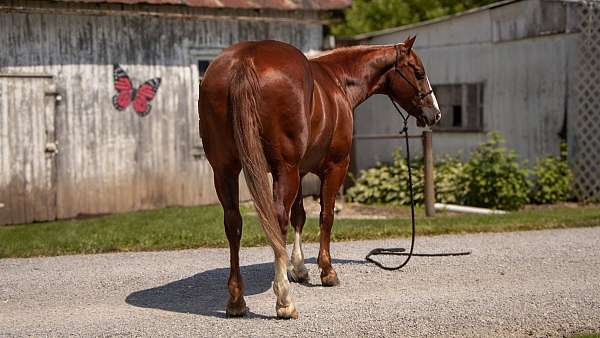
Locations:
408 43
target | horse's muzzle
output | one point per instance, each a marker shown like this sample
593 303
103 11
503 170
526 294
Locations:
429 117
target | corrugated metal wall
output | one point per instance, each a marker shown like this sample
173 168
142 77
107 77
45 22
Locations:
108 160
521 52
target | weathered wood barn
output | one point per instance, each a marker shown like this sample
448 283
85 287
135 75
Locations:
71 144
526 68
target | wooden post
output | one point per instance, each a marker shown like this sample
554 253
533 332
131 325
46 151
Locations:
428 189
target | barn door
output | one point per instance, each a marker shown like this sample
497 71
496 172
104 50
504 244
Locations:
27 148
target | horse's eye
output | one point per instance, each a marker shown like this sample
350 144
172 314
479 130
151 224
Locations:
419 75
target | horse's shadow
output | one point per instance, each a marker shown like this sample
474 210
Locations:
206 293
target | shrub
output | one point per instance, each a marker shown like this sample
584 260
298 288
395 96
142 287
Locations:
447 172
387 183
551 179
493 178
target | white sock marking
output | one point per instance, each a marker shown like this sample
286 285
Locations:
298 254
281 286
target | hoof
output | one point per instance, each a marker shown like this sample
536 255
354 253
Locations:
287 312
330 279
298 277
238 309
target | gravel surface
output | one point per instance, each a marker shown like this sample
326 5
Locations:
537 283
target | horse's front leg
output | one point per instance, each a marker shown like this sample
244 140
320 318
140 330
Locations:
297 271
286 181
331 182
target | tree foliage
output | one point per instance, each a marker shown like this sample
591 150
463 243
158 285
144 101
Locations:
371 15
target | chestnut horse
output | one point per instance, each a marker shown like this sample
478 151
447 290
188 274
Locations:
264 107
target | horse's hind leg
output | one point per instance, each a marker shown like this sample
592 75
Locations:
297 271
330 185
226 184
286 181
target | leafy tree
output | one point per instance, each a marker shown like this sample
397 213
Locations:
371 15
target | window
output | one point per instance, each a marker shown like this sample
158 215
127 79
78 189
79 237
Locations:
202 66
198 59
462 106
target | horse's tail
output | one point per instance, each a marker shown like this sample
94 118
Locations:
244 103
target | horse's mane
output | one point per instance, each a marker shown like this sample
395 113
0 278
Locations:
342 52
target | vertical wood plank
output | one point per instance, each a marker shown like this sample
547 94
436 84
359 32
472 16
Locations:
17 171
50 158
5 217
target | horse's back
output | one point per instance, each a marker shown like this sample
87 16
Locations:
286 85
271 60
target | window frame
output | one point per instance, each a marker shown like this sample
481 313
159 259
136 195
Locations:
195 55
479 88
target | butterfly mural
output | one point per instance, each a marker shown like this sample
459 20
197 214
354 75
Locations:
139 98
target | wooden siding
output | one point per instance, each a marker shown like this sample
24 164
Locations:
26 126
109 160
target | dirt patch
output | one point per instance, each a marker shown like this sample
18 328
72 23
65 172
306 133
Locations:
346 210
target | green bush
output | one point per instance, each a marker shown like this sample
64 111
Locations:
387 183
551 179
493 178
447 173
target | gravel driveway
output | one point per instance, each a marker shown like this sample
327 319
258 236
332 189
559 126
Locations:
540 283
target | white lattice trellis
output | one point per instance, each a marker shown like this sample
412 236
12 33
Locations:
586 153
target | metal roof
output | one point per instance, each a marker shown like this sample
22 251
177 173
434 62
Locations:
242 4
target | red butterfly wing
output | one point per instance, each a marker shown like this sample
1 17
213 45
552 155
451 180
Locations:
121 100
123 87
144 94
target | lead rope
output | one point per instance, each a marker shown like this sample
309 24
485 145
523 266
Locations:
402 251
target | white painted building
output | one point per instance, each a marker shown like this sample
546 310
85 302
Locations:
520 67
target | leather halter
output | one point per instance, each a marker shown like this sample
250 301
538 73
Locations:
419 95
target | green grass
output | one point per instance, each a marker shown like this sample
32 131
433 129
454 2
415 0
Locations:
180 228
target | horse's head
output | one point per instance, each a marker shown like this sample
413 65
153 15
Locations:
408 86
